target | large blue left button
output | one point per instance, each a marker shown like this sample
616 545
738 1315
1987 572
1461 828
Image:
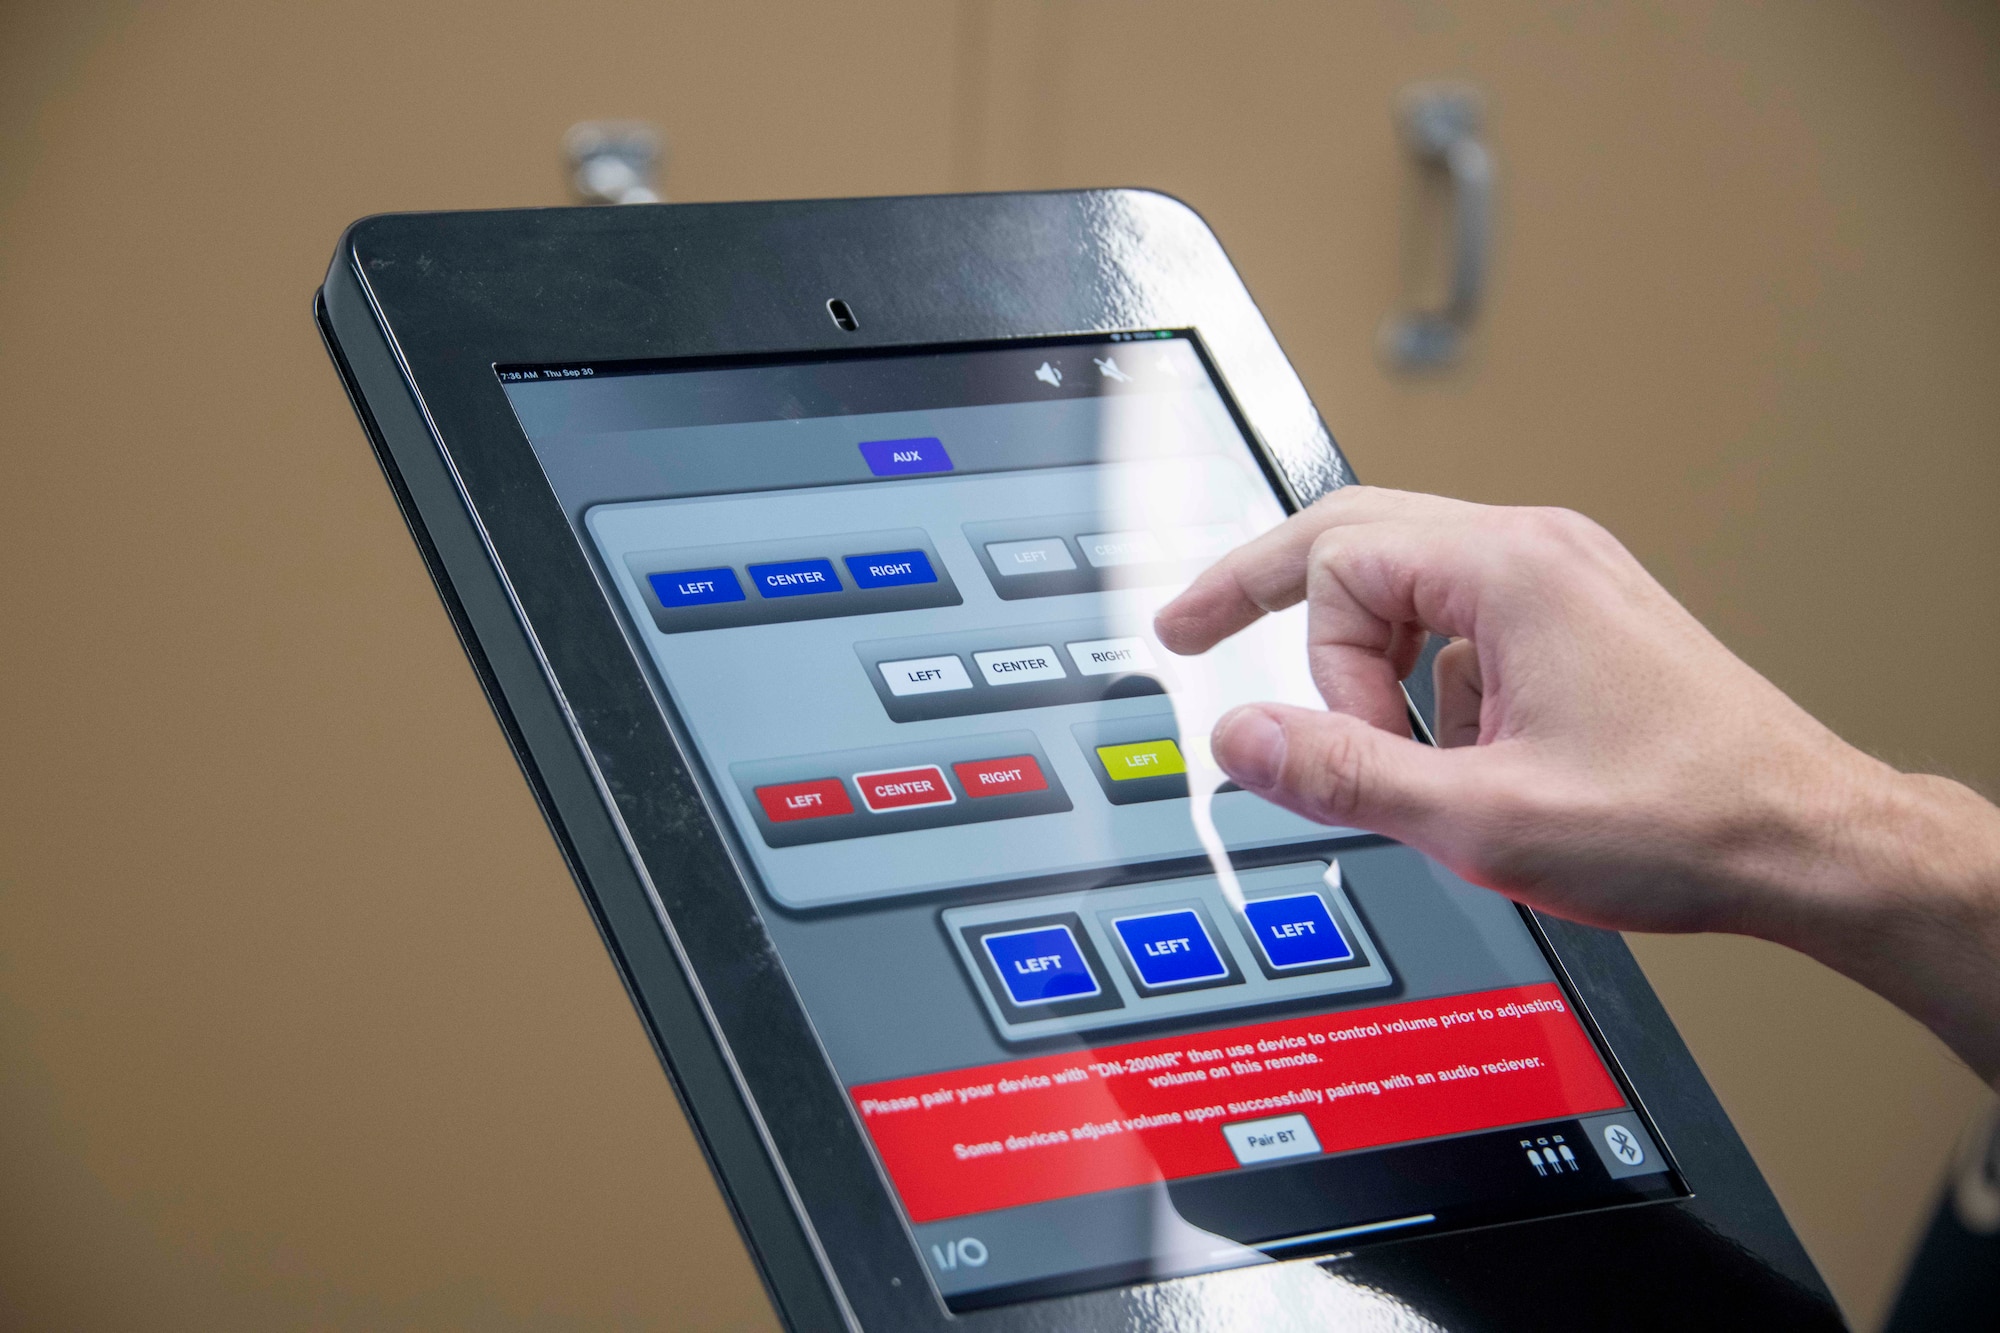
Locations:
795 578
1170 948
1040 965
696 587
1297 931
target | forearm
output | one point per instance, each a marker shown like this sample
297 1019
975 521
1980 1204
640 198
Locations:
1897 885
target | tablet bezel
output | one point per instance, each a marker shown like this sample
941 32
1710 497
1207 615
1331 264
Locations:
419 309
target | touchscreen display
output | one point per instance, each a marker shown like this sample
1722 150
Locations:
1102 1016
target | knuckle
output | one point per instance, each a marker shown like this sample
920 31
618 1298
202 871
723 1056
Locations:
1570 530
1327 547
1558 537
1336 554
1337 783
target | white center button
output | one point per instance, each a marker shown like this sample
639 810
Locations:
1018 666
1105 549
1104 657
925 675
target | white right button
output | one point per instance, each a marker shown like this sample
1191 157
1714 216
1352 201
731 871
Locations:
1104 657
1210 541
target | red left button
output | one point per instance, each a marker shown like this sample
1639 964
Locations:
902 788
817 799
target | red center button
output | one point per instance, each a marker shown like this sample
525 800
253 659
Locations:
817 799
1000 777
904 787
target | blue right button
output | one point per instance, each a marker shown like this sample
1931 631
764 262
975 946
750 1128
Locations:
1297 931
890 569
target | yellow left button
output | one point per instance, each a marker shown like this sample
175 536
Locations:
1142 759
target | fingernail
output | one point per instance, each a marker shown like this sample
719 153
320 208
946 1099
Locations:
1250 746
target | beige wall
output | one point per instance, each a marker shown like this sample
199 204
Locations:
300 1018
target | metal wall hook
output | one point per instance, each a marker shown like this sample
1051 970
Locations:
614 161
1440 123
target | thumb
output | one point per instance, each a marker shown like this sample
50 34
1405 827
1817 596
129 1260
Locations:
1337 769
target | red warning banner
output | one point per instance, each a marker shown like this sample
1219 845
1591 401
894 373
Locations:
1054 1126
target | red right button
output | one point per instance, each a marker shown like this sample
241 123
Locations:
817 799
1000 777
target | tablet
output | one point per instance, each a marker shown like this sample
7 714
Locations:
810 554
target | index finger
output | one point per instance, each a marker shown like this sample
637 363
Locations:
1265 574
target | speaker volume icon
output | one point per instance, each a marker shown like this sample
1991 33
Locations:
1049 375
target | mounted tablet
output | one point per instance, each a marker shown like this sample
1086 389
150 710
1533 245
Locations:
809 553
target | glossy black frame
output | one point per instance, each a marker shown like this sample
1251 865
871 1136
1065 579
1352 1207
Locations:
418 309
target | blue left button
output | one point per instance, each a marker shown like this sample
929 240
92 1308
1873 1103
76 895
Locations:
891 569
696 587
795 578
1171 948
1040 965
1297 931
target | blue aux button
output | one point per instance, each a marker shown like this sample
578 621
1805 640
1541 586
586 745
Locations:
903 458
696 587
795 578
1040 965
891 569
1297 931
1171 948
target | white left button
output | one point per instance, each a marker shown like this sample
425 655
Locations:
925 675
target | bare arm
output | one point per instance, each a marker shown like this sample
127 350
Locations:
1606 759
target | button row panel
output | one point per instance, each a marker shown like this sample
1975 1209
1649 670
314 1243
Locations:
1072 553
1134 760
897 788
1177 948
813 578
821 798
1000 670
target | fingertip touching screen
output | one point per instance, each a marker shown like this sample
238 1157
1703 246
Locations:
1102 1016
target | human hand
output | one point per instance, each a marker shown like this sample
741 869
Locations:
1605 758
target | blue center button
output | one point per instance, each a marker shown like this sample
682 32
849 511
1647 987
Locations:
891 569
1040 965
904 458
795 578
696 587
1170 948
1297 931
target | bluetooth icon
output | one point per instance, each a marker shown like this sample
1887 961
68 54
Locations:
1624 1145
